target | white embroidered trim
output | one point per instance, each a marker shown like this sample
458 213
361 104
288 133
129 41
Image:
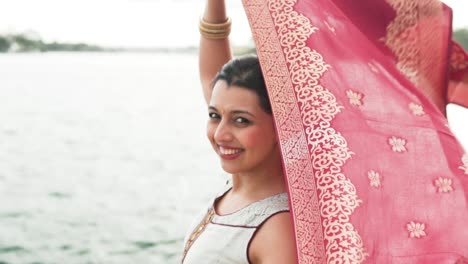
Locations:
293 71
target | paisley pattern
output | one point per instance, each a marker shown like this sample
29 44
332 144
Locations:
313 151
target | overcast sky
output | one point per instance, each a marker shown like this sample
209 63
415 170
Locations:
137 23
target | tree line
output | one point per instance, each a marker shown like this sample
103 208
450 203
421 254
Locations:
22 43
461 36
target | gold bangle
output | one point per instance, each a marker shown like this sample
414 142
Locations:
215 30
223 25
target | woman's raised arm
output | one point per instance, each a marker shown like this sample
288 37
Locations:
214 52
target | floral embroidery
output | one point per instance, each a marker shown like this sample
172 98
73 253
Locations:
416 229
345 243
372 67
416 109
465 164
355 98
374 178
444 185
398 144
331 28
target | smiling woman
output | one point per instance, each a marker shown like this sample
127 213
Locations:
241 128
251 216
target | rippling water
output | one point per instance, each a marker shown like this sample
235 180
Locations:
103 157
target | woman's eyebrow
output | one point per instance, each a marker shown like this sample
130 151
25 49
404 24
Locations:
233 112
243 112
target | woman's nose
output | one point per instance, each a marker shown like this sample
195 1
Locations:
223 132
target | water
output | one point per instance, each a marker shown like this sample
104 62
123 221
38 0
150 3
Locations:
103 157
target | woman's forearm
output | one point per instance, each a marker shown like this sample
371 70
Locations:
214 53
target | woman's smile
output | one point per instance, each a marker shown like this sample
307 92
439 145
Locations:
229 153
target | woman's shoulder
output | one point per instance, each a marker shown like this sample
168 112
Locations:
274 241
269 207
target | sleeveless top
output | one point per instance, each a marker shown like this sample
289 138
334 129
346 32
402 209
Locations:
225 239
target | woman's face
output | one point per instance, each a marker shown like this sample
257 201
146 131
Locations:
240 131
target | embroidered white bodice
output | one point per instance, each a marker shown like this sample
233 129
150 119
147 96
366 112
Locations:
226 238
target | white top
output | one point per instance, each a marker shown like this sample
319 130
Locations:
226 238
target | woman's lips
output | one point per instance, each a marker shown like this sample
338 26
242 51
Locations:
229 153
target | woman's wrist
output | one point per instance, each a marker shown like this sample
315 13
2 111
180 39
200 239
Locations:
215 30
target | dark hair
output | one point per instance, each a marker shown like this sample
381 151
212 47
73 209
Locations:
246 73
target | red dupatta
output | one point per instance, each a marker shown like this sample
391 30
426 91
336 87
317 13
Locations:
358 92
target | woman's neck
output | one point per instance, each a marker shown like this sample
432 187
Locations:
247 189
256 186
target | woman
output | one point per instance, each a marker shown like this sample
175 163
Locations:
249 222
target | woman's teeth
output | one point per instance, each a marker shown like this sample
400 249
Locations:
228 151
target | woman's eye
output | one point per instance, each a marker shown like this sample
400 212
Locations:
242 120
213 115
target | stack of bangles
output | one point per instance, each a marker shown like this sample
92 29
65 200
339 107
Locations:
215 30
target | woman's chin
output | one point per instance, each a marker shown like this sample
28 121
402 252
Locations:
229 168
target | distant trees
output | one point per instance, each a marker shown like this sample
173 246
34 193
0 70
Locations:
4 44
23 43
461 36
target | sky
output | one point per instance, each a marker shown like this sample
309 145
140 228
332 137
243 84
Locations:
132 23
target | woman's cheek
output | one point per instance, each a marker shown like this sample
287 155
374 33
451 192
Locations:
210 128
254 137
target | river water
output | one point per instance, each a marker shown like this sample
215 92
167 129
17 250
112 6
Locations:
100 157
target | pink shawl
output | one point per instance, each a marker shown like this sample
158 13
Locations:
358 92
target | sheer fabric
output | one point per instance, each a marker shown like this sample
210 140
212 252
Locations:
358 92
